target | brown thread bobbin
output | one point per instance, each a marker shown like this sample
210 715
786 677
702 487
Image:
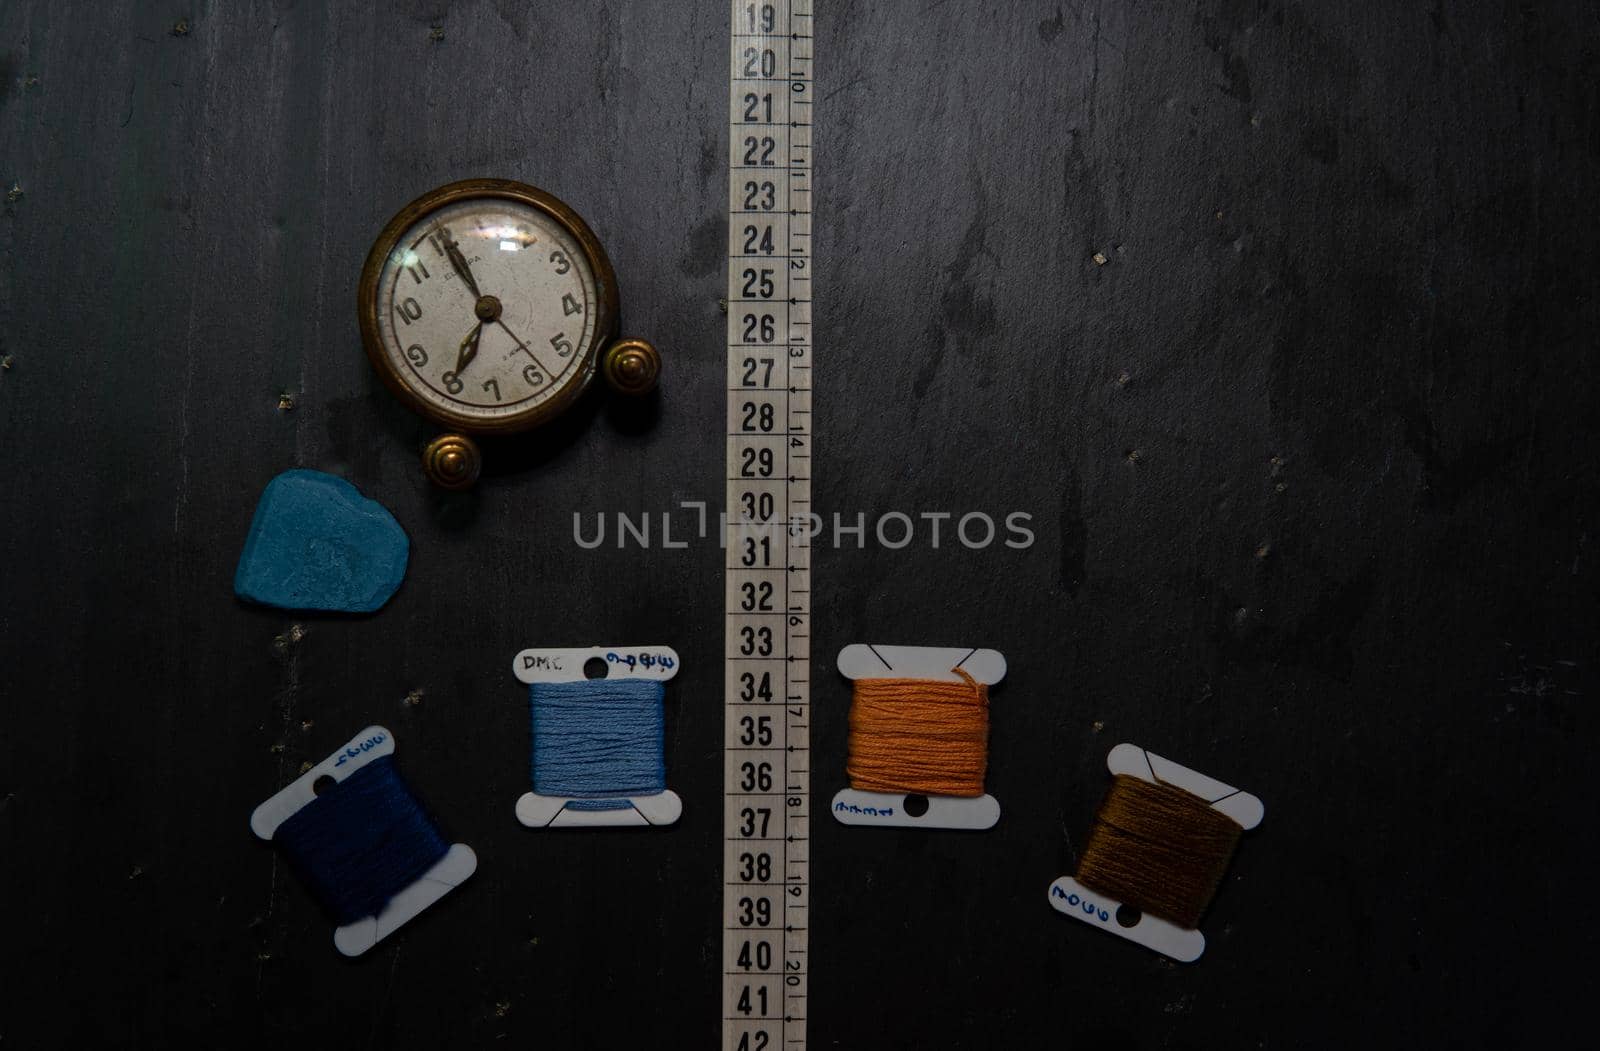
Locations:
919 735
1159 849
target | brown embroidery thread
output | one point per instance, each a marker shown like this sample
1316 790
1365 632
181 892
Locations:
1159 849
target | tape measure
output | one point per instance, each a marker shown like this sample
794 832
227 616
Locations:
766 887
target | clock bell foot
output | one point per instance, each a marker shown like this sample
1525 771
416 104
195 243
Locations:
452 461
632 366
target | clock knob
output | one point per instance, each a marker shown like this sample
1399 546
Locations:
632 366
452 461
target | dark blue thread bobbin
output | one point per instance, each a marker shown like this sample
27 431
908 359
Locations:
361 842
596 740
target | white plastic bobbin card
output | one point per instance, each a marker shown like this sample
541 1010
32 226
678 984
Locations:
657 663
1099 910
891 809
451 871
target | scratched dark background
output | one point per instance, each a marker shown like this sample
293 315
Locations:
1311 458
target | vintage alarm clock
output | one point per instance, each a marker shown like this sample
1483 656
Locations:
487 306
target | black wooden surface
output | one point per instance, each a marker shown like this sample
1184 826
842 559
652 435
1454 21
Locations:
1311 460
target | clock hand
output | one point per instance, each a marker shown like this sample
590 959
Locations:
458 261
469 348
524 348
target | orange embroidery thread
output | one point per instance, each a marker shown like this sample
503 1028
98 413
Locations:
919 735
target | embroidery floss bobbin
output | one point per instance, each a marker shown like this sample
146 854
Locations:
919 737
1161 841
361 840
596 756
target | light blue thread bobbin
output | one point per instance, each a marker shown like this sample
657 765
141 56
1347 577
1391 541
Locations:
598 739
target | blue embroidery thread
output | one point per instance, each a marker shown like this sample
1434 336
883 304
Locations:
361 842
598 740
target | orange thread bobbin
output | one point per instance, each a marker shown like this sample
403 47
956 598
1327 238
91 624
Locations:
919 735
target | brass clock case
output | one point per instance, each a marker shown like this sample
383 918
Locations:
584 370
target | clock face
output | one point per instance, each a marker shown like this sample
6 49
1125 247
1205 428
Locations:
486 311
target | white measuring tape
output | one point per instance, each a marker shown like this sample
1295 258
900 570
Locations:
766 887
